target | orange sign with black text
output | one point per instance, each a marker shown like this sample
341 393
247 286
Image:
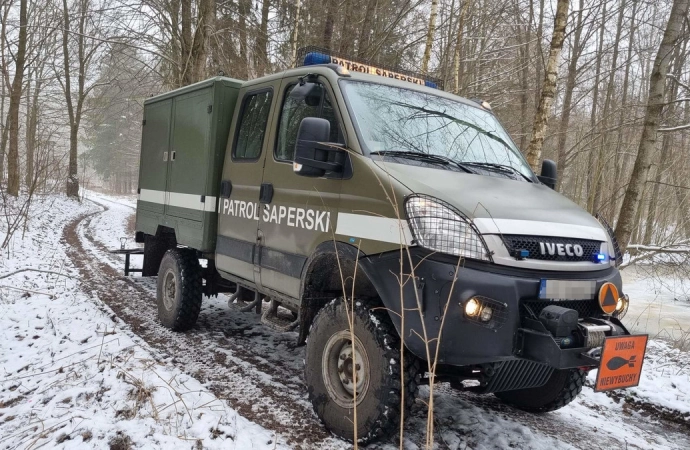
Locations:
621 362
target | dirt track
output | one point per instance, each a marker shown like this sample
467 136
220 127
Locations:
259 373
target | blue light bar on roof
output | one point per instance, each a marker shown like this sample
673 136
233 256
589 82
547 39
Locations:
313 58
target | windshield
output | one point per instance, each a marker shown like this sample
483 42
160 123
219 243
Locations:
391 119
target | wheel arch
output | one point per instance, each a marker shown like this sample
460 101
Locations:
331 263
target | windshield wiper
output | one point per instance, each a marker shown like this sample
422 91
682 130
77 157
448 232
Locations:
425 157
499 168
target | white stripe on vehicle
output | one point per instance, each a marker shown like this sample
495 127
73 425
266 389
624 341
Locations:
384 229
539 228
179 200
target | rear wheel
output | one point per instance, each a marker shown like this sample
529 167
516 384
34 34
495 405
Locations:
561 389
338 368
179 289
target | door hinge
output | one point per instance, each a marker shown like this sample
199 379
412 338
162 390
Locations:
143 122
209 108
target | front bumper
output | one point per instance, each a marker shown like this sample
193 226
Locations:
433 293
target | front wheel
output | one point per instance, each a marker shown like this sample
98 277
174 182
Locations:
561 389
179 289
339 369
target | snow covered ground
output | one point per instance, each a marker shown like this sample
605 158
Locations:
73 376
85 364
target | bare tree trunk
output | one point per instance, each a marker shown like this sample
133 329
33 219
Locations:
5 85
200 42
293 38
618 162
458 69
568 95
603 148
31 128
655 104
549 87
13 176
430 36
244 7
524 79
365 31
593 156
654 196
262 40
74 112
540 51
328 28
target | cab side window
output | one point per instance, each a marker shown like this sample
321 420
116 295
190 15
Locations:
252 125
316 104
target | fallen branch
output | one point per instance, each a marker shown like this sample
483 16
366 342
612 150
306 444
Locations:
37 270
658 249
50 296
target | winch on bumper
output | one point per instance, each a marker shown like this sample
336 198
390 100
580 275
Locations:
520 327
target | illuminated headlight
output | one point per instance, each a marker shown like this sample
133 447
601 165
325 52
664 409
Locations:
620 305
472 307
436 226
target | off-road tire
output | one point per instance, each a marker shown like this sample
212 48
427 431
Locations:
154 249
378 412
182 309
561 389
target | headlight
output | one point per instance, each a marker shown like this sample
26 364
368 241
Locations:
438 227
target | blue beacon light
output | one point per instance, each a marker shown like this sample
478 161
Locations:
313 58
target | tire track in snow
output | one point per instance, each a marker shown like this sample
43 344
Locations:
262 382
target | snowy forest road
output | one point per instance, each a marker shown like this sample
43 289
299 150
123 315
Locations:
258 371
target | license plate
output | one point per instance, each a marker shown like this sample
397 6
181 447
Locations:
567 289
621 362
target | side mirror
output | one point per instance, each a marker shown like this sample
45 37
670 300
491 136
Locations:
313 156
549 173
309 93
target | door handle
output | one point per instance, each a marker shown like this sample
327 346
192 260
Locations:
225 188
172 155
165 156
266 193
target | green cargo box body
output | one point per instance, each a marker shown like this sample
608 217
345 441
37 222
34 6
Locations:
184 136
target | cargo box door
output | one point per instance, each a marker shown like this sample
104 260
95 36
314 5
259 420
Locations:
154 156
189 155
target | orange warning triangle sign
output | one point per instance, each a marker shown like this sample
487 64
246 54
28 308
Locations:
608 298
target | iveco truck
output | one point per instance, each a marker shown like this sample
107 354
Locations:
395 228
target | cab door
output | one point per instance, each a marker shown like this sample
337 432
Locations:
302 211
239 205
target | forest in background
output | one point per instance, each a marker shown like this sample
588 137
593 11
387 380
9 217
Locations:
75 74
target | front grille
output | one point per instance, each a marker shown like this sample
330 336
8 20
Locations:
554 248
584 308
518 374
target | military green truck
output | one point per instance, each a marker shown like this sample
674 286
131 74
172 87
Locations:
391 225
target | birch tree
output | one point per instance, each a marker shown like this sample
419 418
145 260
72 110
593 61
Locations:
548 90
